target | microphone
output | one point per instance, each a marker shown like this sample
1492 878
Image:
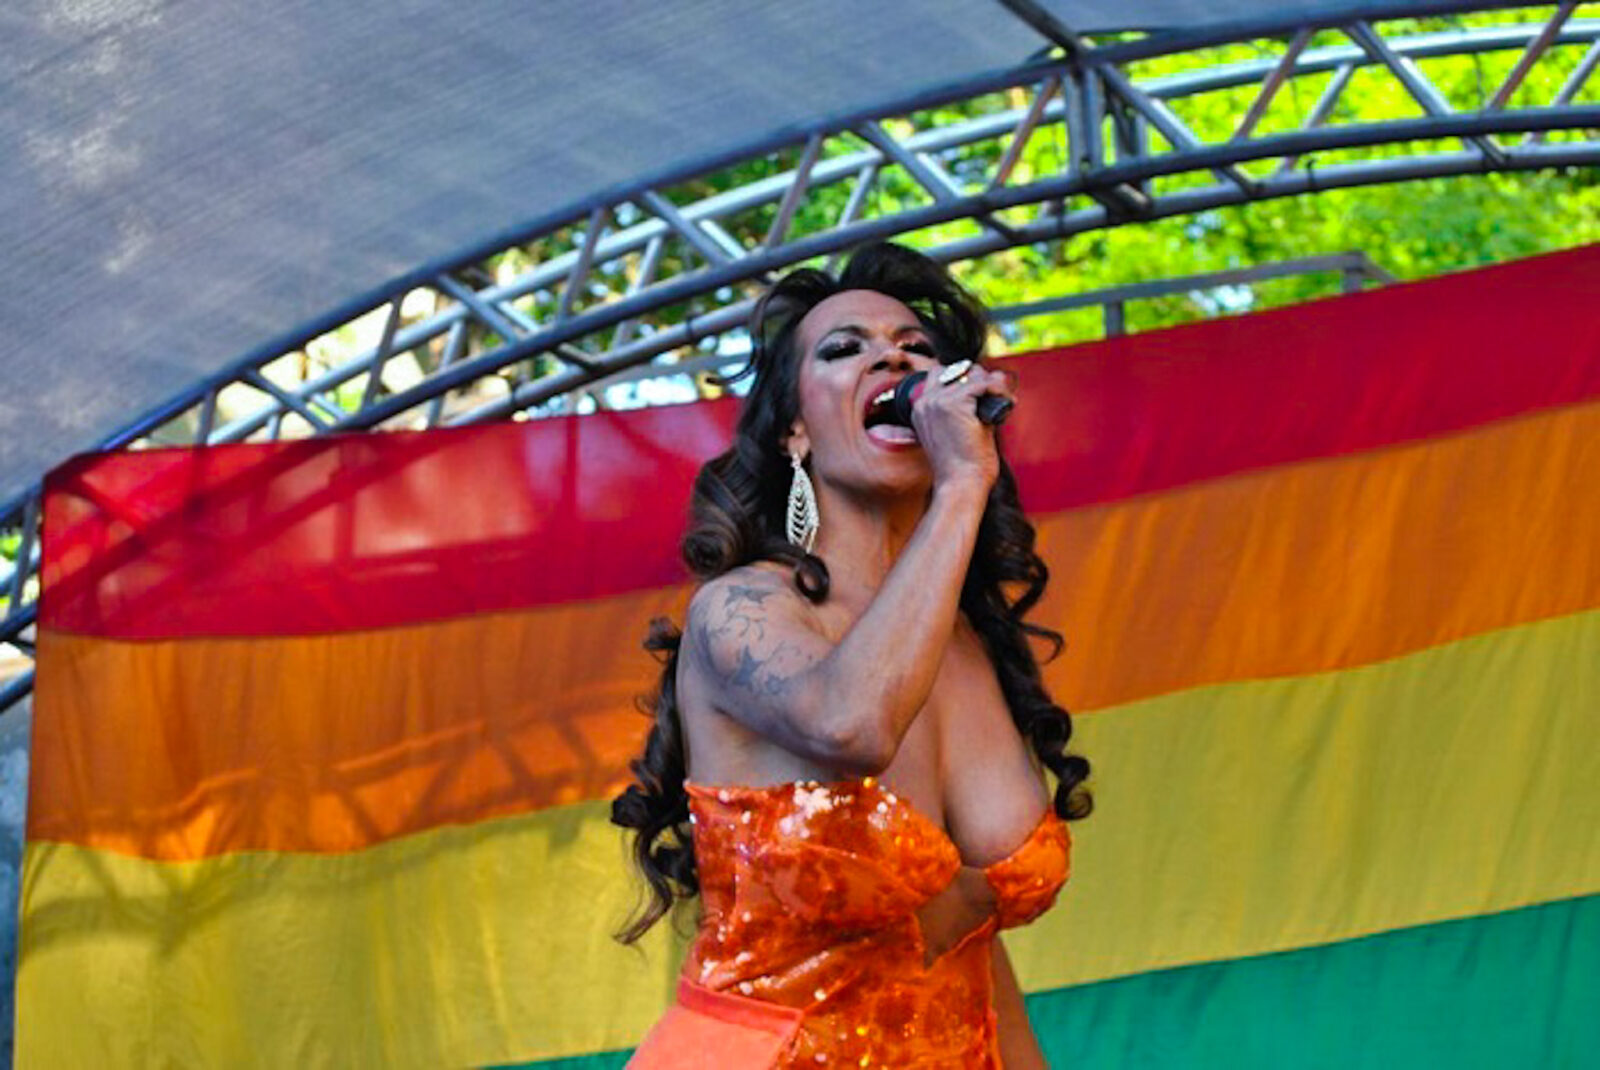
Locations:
992 408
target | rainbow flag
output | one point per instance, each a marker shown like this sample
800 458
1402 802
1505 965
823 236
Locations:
325 731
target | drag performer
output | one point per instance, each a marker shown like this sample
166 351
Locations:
851 734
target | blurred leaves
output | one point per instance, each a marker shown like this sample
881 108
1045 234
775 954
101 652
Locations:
1414 230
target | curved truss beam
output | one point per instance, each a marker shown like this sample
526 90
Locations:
637 285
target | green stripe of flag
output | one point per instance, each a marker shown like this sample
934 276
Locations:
1514 989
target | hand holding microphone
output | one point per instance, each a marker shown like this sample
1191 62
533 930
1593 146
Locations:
954 417
992 408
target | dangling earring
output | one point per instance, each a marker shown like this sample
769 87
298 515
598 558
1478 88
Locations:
802 520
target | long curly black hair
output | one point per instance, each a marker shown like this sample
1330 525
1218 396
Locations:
737 517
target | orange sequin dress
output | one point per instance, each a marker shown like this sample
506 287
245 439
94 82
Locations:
809 951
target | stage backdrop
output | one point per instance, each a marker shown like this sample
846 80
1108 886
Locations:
327 731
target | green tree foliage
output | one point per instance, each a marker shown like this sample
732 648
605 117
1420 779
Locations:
1412 229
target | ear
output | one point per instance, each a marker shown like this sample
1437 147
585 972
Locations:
798 440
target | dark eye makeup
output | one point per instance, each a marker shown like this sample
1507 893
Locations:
835 348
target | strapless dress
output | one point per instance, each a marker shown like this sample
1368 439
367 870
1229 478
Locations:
809 951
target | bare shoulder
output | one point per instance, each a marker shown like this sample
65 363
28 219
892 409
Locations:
748 681
748 612
746 599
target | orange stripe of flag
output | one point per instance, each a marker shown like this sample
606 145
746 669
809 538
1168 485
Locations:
1327 564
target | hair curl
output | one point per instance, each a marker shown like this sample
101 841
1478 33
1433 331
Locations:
737 517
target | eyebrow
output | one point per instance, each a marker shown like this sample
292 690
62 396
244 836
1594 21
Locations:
861 332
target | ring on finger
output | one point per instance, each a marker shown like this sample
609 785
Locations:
954 373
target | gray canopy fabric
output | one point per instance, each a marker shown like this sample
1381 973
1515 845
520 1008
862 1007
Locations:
185 182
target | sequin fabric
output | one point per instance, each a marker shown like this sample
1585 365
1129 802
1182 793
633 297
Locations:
810 893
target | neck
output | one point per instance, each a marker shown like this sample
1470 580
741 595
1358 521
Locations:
860 539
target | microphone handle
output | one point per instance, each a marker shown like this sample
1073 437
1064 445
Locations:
992 408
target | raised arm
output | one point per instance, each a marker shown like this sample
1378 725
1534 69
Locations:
756 650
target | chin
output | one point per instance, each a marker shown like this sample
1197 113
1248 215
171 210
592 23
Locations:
907 483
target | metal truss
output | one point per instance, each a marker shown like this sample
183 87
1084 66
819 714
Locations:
654 284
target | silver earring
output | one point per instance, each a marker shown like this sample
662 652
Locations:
802 520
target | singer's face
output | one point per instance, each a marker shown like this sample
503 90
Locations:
854 346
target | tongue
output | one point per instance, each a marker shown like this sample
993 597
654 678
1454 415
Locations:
891 433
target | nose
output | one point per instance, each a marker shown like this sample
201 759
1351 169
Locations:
893 358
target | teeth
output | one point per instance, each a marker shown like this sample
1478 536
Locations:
885 397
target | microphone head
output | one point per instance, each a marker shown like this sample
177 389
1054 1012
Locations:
905 396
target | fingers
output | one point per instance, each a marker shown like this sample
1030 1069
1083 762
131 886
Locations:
976 381
1001 383
959 445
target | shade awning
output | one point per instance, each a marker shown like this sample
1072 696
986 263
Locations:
184 183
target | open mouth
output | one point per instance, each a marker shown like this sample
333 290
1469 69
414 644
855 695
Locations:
880 410
880 422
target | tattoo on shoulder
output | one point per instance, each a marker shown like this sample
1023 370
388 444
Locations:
742 613
731 643
736 593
